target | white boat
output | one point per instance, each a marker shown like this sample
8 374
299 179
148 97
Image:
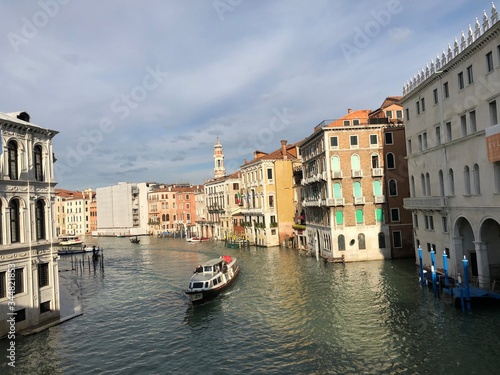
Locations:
70 241
211 278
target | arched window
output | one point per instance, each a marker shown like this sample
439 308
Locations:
359 217
393 188
337 190
391 162
375 161
40 219
12 159
339 218
422 180
427 185
168 217
357 189
475 179
381 240
379 215
163 217
15 228
361 241
377 188
335 163
341 242
37 161
441 183
355 164
467 180
451 182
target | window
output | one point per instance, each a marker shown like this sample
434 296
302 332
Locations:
361 241
409 147
37 156
399 114
355 122
269 174
44 307
339 218
451 182
14 221
436 97
377 188
388 138
43 274
393 188
496 177
394 214
19 280
3 284
271 201
460 80
357 189
489 62
438 135
347 123
20 315
375 162
418 107
379 215
359 216
396 239
467 180
388 114
12 159
446 90
429 222
472 122
470 76
463 125
381 240
493 113
422 104
354 141
355 163
444 223
449 137
373 140
415 220
408 114
337 190
334 142
475 179
391 163
441 183
428 185
40 219
341 242
412 186
335 163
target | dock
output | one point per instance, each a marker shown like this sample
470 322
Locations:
334 260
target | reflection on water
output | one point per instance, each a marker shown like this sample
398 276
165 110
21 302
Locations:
285 314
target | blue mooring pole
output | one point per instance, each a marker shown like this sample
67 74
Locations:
434 281
445 266
422 280
466 281
433 258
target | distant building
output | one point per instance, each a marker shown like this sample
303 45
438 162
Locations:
453 138
122 209
28 260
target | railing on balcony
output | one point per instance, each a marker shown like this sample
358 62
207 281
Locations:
356 173
337 174
379 199
332 202
377 172
359 200
429 203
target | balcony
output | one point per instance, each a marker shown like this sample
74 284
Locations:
357 173
379 199
333 202
337 174
426 203
312 202
359 200
377 172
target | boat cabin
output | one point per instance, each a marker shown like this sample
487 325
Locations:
210 274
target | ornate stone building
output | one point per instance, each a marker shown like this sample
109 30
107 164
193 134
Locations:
29 281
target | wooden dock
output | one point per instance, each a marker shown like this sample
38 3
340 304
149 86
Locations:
334 260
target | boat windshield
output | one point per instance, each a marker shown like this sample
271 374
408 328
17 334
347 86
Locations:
208 269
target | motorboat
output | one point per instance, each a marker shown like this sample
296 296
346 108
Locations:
211 278
70 241
198 239
68 250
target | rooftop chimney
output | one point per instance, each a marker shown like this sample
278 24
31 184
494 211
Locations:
349 110
283 149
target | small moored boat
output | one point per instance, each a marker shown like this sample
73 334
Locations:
135 239
198 239
211 278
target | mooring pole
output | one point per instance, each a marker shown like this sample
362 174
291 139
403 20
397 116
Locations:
445 266
466 280
434 282
422 281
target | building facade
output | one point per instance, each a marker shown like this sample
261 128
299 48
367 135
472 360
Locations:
28 260
452 135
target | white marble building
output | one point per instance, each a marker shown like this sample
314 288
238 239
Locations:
28 260
451 110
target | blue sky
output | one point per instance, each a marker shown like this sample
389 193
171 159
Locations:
140 90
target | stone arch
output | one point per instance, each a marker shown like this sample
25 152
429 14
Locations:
488 251
464 245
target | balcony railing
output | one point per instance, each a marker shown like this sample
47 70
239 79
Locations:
379 199
359 200
337 174
356 173
377 172
428 203
332 202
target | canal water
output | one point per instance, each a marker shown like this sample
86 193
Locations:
285 314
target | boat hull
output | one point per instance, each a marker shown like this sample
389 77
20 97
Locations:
73 251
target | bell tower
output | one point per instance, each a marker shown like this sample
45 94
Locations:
219 170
